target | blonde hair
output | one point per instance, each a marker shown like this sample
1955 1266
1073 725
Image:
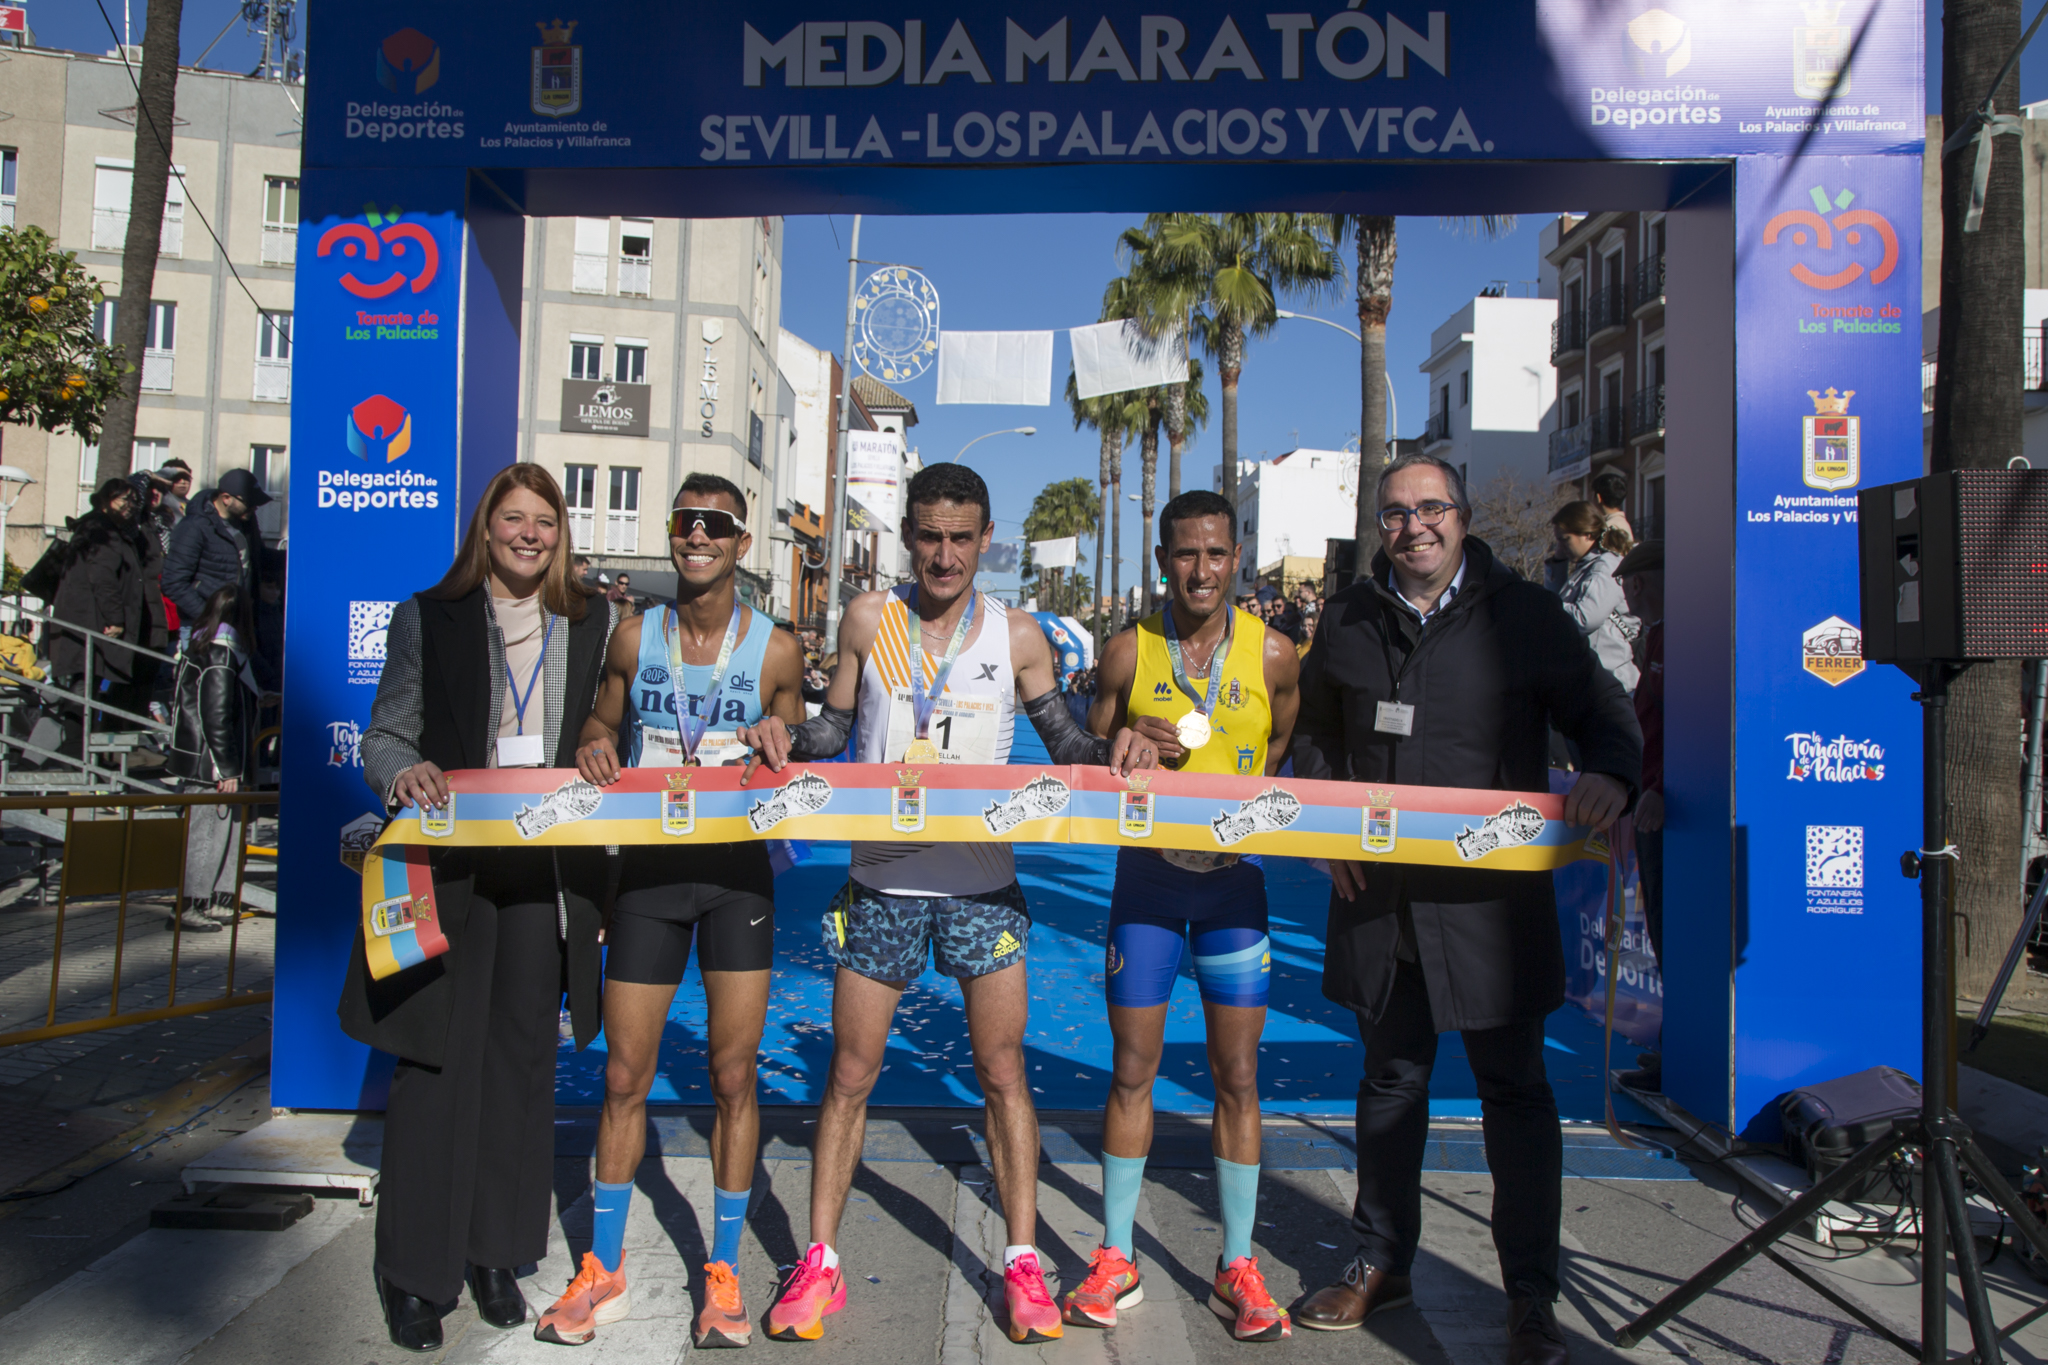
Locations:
561 592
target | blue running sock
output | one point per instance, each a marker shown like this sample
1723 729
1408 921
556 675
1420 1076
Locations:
1238 1188
731 1211
1122 1179
608 1222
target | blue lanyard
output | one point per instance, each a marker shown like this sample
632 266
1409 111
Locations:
923 702
519 702
1217 658
690 728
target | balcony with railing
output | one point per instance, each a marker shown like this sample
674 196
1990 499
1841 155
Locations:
636 277
1570 452
273 381
1605 430
1649 293
1606 312
110 230
1439 428
1646 414
2033 367
280 244
1567 336
6 210
158 370
587 274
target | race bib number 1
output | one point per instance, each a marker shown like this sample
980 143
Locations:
963 729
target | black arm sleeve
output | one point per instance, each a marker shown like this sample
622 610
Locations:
1064 740
822 736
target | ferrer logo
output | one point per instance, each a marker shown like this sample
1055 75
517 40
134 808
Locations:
1832 651
1840 759
408 62
1804 225
379 426
357 239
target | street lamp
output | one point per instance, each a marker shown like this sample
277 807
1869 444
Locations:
1006 431
1393 407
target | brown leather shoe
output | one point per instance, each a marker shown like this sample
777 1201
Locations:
1534 1338
1363 1291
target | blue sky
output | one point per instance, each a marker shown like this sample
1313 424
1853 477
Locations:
1300 386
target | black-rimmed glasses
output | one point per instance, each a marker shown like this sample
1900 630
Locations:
1429 514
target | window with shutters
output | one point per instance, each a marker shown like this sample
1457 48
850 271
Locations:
113 188
273 357
588 274
636 257
579 491
160 346
280 221
622 515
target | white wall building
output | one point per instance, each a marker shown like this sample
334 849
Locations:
1491 389
1290 505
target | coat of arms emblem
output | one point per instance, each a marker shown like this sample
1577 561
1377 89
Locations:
1379 823
1820 52
1831 448
557 71
679 806
906 802
1134 808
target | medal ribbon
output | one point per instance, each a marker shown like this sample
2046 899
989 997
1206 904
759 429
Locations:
690 729
923 703
1180 671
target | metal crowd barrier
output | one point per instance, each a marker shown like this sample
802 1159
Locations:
120 857
83 773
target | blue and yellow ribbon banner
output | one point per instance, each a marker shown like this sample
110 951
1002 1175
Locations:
1211 813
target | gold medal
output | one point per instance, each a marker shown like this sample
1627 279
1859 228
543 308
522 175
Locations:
1192 730
921 751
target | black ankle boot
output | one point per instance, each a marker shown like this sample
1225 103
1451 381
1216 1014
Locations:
497 1296
414 1323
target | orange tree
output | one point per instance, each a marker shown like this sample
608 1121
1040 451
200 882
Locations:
55 373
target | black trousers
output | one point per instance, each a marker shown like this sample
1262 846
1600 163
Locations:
1650 886
469 1146
1523 1145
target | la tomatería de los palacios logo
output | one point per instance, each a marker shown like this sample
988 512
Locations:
1817 758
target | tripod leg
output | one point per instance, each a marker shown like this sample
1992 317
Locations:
2024 1222
1941 1154
1765 1233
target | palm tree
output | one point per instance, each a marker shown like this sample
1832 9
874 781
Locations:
1067 508
1126 297
1230 269
1374 278
1115 416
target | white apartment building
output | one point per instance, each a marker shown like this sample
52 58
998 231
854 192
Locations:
1492 388
216 377
1288 506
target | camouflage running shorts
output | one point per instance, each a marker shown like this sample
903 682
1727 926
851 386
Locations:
886 938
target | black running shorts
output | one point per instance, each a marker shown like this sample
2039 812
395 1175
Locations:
723 895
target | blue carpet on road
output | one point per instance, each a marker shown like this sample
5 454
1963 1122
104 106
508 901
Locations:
1312 1050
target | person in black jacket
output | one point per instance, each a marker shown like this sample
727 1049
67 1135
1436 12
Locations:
497 666
1444 668
213 705
102 590
215 544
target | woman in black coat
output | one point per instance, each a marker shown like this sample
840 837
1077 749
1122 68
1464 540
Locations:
469 1127
213 709
102 590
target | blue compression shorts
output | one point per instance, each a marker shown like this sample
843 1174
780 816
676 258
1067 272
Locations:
1156 910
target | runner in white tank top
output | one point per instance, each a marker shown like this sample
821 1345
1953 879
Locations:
908 904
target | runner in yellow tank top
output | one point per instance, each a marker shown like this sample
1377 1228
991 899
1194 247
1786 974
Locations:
1226 707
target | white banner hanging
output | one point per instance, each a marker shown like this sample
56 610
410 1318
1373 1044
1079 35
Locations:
1054 554
1113 357
874 467
996 367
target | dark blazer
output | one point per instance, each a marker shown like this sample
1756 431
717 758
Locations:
436 701
1488 676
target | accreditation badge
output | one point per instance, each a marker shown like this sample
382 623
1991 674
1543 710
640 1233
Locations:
438 821
906 803
1380 823
679 806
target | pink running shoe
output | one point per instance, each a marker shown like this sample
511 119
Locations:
810 1292
1240 1296
1033 1318
1112 1283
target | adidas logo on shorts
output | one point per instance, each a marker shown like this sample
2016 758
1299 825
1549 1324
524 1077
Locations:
1005 945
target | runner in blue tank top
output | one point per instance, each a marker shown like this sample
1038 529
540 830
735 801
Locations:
678 681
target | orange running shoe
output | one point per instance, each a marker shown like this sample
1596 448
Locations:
1032 1315
724 1319
1240 1295
595 1297
810 1292
1112 1283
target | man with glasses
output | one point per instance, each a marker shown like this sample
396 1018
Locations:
1444 668
679 683
937 672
